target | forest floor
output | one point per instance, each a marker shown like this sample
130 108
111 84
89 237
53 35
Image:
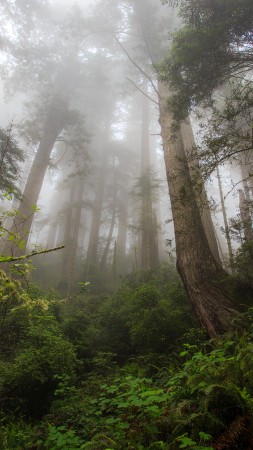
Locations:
126 370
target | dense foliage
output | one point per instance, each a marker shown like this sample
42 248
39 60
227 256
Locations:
128 370
11 156
214 45
209 65
121 362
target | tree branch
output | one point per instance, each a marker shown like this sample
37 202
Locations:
144 93
29 255
136 65
218 161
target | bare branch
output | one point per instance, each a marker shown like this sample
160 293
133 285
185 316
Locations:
144 93
136 65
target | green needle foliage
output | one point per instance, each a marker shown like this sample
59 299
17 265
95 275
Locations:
11 156
213 46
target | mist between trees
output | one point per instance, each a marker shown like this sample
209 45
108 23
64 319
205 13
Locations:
126 231
103 101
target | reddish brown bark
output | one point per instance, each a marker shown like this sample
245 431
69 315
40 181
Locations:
199 189
201 274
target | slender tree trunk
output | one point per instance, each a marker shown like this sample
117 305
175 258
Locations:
67 238
122 230
71 234
51 238
246 171
74 238
98 203
160 250
154 241
114 264
108 241
146 214
224 213
201 274
148 257
113 219
54 219
245 216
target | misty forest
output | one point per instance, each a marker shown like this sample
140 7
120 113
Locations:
126 224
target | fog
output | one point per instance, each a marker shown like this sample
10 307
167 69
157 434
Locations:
79 82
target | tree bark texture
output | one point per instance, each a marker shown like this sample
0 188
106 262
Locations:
201 274
53 126
200 192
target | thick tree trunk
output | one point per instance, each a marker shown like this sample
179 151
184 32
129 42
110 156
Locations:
200 192
201 274
53 127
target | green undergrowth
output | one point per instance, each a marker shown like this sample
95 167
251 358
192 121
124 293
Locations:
205 403
125 371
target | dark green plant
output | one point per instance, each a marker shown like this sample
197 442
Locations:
11 156
32 352
213 46
60 438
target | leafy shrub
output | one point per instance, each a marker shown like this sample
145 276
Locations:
33 351
60 438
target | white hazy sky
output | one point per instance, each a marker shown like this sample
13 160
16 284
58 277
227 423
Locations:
68 3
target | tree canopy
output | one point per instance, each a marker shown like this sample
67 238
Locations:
213 45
